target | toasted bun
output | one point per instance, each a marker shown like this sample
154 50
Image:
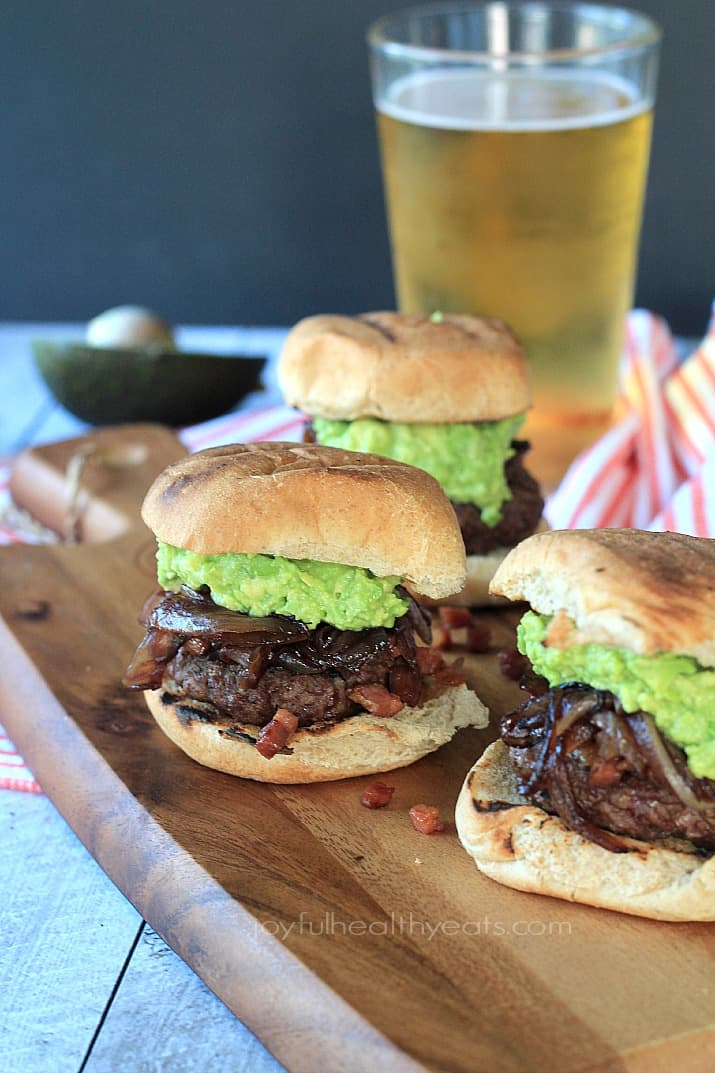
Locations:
522 846
360 745
648 592
304 501
400 367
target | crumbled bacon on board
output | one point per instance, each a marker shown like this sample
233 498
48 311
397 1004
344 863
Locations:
274 736
512 664
456 627
377 795
377 700
425 819
454 617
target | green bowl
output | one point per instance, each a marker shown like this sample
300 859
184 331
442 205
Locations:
108 386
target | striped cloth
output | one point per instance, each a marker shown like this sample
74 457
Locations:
266 423
14 773
7 534
655 469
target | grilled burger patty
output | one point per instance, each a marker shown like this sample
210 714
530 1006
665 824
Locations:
244 668
520 514
607 774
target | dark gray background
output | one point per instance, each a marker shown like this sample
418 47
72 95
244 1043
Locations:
217 161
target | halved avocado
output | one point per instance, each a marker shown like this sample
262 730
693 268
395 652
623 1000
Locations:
107 386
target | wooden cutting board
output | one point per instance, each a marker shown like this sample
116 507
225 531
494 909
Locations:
343 938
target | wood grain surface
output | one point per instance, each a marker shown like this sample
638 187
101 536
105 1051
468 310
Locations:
340 936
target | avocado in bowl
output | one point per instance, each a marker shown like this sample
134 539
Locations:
127 369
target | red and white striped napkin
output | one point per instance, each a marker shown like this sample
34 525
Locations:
266 423
655 469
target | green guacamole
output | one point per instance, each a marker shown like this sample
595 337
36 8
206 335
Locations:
348 597
467 459
675 690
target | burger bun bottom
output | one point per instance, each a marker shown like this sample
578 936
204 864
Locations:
524 847
363 744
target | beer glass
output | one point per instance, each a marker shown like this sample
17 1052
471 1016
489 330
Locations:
514 140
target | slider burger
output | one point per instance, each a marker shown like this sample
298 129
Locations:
602 787
445 393
281 646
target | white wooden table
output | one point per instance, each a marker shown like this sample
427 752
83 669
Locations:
85 985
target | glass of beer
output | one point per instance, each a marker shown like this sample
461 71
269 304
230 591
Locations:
514 140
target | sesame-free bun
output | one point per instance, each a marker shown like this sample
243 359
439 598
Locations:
401 367
647 592
522 846
359 745
304 501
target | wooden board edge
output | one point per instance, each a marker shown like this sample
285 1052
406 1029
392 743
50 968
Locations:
297 1017
693 1051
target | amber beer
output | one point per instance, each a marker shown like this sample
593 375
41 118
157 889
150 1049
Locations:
520 197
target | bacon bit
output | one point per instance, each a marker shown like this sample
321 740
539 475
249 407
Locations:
457 627
512 664
425 819
274 736
376 700
607 772
479 638
451 675
377 795
429 660
560 627
445 678
454 617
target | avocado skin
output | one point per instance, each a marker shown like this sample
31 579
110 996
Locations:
107 386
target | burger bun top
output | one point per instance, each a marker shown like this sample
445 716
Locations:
626 588
305 501
402 367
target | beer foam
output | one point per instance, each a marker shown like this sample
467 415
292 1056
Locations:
468 100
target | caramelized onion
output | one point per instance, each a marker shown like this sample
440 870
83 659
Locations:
564 799
189 613
579 709
188 629
650 740
417 617
558 738
146 669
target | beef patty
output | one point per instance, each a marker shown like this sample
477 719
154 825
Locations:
607 773
520 514
243 668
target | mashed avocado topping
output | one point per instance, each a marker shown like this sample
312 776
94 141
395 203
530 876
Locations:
348 597
467 459
676 690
